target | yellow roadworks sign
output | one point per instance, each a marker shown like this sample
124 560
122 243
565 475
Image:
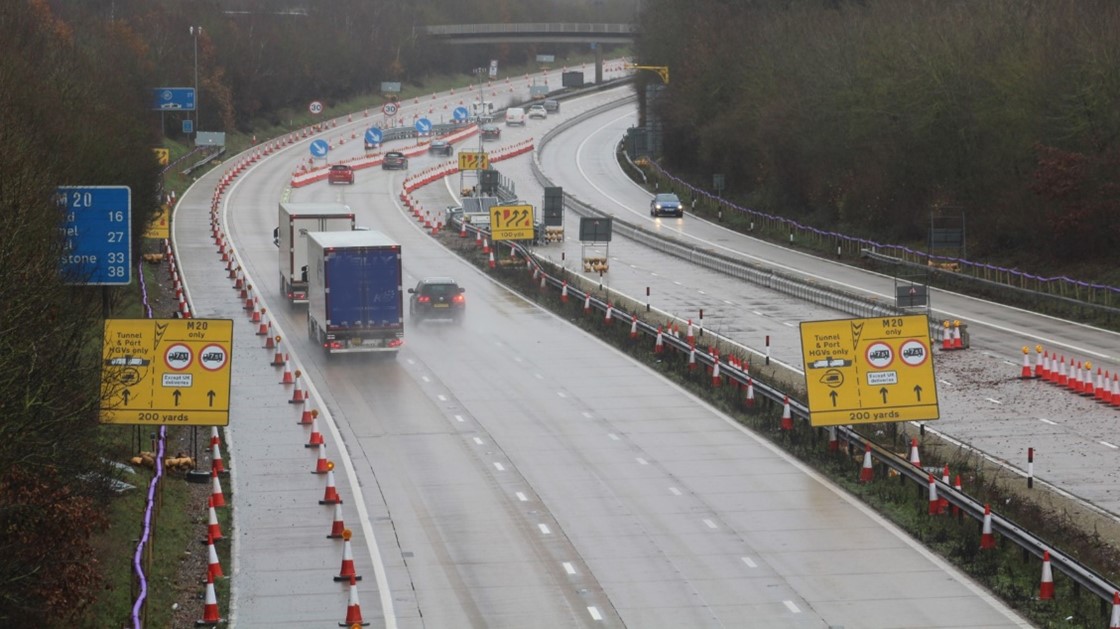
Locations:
469 160
865 371
163 156
166 371
160 227
511 222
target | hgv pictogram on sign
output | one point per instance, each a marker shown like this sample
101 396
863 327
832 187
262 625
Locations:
865 371
166 371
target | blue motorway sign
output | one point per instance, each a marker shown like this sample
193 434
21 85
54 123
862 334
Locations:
173 98
188 125
423 125
97 234
373 135
319 148
460 113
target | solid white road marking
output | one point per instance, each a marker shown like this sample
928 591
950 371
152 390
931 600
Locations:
750 563
569 568
458 418
478 441
544 529
587 415
945 382
710 524
674 491
442 397
758 314
613 436
1105 443
561 394
793 608
1047 421
425 378
522 497
641 461
594 611
501 468
789 325
993 400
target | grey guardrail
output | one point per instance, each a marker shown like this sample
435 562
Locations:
1080 574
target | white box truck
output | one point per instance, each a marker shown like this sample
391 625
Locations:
296 220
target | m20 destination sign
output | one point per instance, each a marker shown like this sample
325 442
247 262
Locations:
96 232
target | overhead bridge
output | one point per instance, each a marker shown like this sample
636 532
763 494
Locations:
542 32
564 33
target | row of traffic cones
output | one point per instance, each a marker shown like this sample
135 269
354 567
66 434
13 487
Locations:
1077 378
951 336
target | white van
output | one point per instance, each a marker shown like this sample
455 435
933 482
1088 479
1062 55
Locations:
515 116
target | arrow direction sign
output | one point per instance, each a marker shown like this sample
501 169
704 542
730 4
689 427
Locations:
319 148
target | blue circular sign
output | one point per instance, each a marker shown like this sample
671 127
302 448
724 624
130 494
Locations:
319 148
460 113
423 125
373 135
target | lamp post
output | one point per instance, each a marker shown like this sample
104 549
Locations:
195 32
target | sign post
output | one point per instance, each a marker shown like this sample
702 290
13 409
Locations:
166 371
97 234
866 371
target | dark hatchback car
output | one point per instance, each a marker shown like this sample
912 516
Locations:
441 147
666 203
437 298
490 132
394 160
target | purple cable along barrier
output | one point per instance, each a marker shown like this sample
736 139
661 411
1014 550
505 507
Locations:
137 558
1041 281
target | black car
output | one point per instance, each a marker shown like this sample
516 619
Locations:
394 160
441 147
551 105
437 298
666 203
490 132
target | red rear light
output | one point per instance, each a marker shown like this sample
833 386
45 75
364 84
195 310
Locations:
396 343
459 299
423 299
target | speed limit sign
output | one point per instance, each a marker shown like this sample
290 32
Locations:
315 107
389 109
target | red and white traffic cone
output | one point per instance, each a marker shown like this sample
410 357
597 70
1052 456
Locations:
337 526
316 438
346 572
608 318
1039 369
1025 373
945 479
478 238
297 393
486 246
287 377
934 502
587 303
278 356
262 330
1046 586
308 415
659 344
691 336
633 327
867 472
210 614
217 498
750 393
1098 389
214 567
833 440
353 608
491 263
787 418
1114 623
330 494
957 487
269 339
946 337
216 465
322 465
213 528
716 378
914 459
544 281
1116 390
1062 378
1045 375
215 438
462 228
692 357
958 343
564 292
987 539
